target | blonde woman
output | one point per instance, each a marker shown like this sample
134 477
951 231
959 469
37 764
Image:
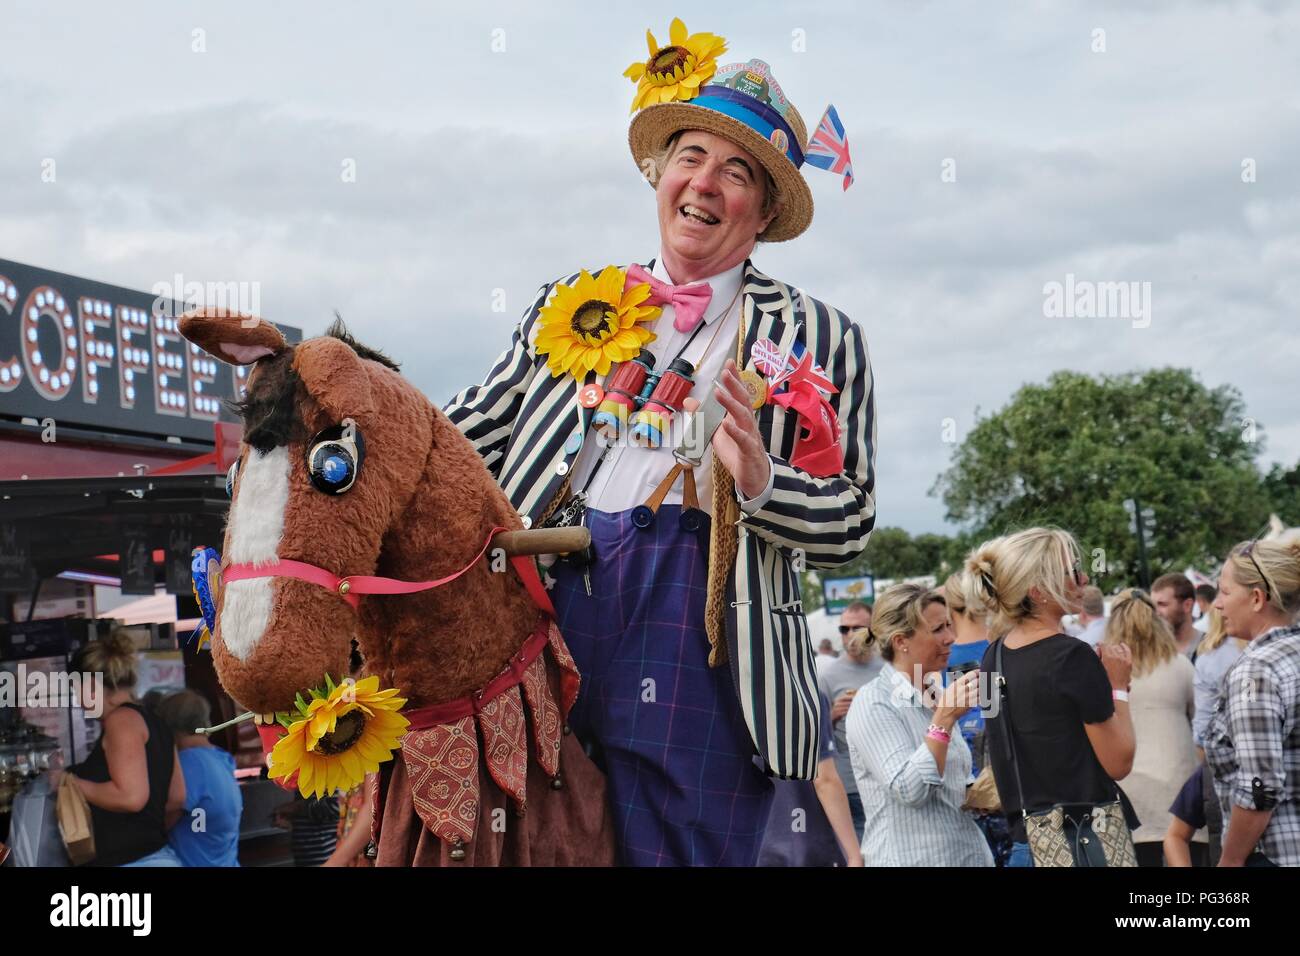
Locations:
1161 703
911 768
970 625
1215 655
1252 743
1067 706
132 778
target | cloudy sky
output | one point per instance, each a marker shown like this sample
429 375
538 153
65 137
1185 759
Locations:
1104 140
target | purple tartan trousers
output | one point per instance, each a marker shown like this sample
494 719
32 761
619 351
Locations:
666 729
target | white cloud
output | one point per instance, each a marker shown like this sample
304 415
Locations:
480 170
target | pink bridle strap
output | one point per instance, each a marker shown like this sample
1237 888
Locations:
351 587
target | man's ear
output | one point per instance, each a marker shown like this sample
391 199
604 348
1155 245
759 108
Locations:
335 376
232 337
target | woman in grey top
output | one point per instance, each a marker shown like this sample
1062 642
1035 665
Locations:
910 765
1215 656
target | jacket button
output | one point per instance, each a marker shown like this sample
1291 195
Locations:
526 521
562 468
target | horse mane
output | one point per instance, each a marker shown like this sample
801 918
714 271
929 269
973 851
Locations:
340 331
270 418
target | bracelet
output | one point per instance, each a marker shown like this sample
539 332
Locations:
935 732
1119 695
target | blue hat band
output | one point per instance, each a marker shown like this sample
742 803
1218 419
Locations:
757 115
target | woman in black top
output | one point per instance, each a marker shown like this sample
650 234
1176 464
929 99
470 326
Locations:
132 778
1068 702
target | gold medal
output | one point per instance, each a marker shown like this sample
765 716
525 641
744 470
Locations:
756 385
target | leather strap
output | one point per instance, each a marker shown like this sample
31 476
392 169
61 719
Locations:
422 718
690 497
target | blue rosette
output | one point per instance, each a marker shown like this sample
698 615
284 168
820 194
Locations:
205 572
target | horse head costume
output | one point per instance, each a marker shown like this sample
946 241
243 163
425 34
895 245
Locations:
360 513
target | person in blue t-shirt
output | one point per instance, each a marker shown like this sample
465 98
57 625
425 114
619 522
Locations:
968 649
207 834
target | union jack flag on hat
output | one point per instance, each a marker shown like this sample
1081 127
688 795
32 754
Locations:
829 149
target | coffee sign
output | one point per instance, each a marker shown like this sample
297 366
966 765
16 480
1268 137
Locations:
88 354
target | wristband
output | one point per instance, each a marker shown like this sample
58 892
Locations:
1119 695
935 732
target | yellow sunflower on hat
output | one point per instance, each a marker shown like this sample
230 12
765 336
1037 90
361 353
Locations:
594 323
675 71
339 737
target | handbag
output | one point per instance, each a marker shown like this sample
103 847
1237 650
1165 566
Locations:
75 822
1069 834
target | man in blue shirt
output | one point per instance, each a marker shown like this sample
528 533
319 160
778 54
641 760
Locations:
208 832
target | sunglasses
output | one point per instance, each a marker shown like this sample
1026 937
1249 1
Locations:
847 629
1248 552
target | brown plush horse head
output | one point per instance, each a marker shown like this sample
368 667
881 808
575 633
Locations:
399 492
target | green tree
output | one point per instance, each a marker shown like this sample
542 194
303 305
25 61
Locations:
1069 453
1282 486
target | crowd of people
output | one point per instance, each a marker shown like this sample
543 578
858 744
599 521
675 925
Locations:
161 794
971 726
960 726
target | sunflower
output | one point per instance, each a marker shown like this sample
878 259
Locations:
676 71
338 738
594 323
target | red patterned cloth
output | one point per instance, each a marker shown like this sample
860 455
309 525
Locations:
442 761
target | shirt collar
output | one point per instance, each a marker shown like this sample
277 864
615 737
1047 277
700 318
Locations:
724 285
1275 633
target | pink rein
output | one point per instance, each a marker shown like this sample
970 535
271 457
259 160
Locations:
351 588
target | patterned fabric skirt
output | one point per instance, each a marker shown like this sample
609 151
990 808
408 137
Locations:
666 728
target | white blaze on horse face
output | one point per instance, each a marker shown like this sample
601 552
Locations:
256 524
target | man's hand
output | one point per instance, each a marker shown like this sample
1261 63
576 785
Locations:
841 705
738 443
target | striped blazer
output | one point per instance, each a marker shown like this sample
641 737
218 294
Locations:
520 417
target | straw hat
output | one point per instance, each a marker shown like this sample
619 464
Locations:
744 104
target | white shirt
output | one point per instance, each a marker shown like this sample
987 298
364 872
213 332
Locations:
913 813
1094 632
631 473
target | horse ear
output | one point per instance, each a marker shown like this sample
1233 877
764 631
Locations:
335 376
231 337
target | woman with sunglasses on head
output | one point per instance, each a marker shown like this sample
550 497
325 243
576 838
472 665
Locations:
1067 704
1161 703
1252 743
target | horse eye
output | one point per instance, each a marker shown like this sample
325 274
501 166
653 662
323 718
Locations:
335 460
231 475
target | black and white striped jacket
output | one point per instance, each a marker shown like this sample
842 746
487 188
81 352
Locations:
520 417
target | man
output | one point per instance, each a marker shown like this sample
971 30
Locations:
1205 595
211 791
826 649
1173 596
840 680
1092 617
687 626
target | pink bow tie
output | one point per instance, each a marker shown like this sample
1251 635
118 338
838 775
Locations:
688 301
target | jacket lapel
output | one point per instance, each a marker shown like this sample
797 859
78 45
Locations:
766 312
